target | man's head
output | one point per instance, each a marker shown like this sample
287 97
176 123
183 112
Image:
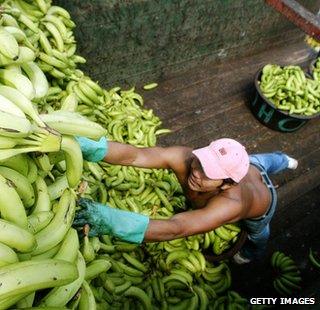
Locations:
219 165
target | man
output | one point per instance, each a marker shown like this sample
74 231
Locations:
222 183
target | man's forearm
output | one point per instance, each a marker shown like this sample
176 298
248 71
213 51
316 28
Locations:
163 230
120 154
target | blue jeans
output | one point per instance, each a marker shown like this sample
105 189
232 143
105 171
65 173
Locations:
258 228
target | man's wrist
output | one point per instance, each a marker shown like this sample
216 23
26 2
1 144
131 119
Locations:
92 150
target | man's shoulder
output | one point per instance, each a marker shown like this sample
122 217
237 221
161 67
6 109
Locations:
178 157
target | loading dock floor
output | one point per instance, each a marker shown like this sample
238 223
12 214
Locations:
210 102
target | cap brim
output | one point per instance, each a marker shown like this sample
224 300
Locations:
210 164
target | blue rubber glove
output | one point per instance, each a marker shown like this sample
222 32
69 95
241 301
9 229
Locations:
92 150
103 220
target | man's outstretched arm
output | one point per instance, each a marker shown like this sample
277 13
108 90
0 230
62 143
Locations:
128 155
134 227
146 157
218 212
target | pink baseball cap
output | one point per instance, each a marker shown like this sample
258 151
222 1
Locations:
224 158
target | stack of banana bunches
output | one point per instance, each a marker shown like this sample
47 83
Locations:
45 101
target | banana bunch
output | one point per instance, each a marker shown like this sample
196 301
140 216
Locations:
222 237
232 300
118 110
12 50
192 260
219 239
38 246
315 261
45 32
114 273
288 279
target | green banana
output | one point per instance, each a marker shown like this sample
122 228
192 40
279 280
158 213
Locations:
47 254
87 300
70 247
134 262
183 273
139 294
54 233
7 255
37 78
26 277
39 220
61 295
130 270
313 260
43 203
74 160
21 185
87 250
11 206
9 47
96 267
18 163
32 170
16 237
18 81
56 189
176 255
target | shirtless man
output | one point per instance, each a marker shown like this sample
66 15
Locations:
221 181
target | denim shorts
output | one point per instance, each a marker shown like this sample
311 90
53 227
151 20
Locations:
256 225
258 228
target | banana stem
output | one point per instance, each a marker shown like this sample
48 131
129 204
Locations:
28 142
35 137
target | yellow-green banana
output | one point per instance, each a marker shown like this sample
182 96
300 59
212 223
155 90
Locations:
54 233
37 78
21 185
39 220
16 237
43 202
28 276
11 206
60 296
70 247
74 160
7 255
87 300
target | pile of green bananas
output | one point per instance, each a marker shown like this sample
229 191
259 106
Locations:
126 275
289 90
45 100
288 275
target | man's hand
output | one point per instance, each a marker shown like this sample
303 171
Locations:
93 214
104 220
